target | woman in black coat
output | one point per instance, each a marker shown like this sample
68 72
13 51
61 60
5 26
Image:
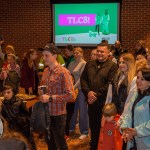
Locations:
124 81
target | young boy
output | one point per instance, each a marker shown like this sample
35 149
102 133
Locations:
15 112
110 138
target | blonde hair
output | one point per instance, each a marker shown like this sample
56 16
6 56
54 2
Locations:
10 47
109 110
130 61
79 49
140 64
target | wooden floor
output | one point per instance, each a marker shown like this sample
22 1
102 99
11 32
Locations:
74 143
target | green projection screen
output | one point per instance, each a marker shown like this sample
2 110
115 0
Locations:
85 24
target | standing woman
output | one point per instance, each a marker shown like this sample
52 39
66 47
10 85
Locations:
136 123
10 50
11 72
29 77
124 82
76 68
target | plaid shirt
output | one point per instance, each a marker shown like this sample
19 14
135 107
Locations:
60 87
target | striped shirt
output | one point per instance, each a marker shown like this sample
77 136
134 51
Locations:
60 87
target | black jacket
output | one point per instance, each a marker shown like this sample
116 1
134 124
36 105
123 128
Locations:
96 77
15 112
119 97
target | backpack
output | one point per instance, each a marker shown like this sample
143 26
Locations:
40 118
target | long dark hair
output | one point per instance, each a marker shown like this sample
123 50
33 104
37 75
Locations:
146 75
28 55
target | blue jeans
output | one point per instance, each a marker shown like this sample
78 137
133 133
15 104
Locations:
80 105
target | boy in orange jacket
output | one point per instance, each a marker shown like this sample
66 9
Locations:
110 137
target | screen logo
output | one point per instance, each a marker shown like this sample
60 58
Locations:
77 20
68 39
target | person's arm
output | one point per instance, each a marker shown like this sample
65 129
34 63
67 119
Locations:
128 107
84 80
81 68
143 129
126 117
130 99
108 17
18 70
133 89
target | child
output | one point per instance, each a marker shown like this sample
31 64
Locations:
15 111
110 138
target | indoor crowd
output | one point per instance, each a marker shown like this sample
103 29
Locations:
108 96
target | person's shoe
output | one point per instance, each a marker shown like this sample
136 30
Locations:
83 136
66 137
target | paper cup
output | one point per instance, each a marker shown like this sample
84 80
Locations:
43 88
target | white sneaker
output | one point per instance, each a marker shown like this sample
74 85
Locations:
82 136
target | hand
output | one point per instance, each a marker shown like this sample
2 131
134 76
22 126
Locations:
40 91
129 134
44 98
118 124
124 135
92 97
4 74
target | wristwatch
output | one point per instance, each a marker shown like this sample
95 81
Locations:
50 99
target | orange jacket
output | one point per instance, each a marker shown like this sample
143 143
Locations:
110 137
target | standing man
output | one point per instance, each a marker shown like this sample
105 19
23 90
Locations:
59 90
94 83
